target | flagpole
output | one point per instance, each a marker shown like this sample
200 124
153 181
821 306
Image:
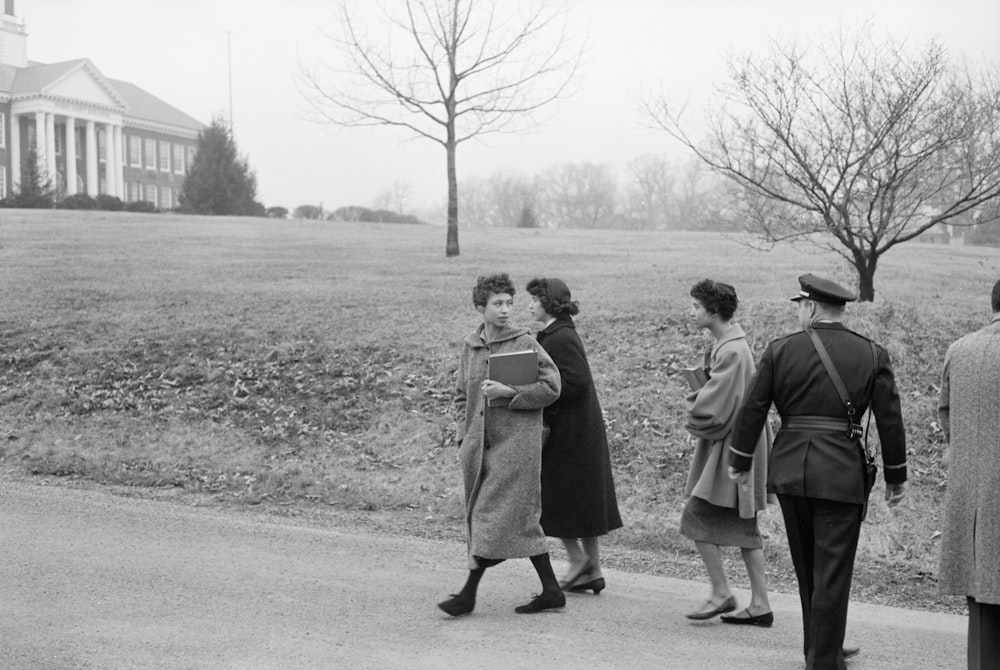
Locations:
229 53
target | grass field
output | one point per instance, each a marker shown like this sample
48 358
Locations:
280 362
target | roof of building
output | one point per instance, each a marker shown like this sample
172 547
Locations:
37 76
136 103
144 105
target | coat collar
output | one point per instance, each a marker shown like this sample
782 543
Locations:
560 322
996 318
735 332
477 338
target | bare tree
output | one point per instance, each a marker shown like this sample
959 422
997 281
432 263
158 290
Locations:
650 192
395 198
860 139
460 69
578 195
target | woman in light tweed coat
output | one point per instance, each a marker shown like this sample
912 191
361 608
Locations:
501 451
969 409
719 512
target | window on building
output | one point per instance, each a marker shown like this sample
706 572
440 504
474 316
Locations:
134 151
3 129
78 140
3 182
150 147
60 140
151 194
164 156
190 158
166 197
102 184
102 146
179 158
134 191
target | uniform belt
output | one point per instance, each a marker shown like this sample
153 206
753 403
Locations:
807 422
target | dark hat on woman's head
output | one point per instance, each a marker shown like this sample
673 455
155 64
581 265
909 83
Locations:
554 295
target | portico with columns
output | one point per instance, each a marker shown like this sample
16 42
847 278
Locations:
77 145
89 134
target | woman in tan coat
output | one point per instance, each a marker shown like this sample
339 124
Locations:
719 512
500 450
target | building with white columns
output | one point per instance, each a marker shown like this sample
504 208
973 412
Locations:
90 134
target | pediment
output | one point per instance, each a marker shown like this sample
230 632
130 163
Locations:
83 85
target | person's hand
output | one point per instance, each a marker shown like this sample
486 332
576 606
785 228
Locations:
742 478
894 493
494 389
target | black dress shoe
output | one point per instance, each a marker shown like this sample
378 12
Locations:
581 575
457 605
764 620
850 652
708 610
595 585
543 601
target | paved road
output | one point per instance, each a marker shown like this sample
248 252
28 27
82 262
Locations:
93 580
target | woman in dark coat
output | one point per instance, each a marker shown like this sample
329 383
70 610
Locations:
578 491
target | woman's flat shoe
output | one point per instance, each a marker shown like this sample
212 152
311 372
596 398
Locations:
457 605
708 610
744 618
543 601
595 585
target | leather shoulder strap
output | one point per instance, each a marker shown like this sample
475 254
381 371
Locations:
832 371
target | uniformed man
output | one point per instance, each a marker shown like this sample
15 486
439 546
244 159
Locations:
817 465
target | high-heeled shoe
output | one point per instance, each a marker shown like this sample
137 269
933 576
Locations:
595 585
457 605
582 574
543 601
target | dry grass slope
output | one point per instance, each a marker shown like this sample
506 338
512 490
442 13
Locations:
311 363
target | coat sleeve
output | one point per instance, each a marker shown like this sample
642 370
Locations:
574 372
461 401
889 419
712 408
752 416
944 401
545 390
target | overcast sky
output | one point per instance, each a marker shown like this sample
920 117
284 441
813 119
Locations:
177 50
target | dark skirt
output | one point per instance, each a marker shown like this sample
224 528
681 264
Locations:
704 522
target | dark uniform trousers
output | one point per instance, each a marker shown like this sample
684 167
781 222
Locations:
984 636
823 540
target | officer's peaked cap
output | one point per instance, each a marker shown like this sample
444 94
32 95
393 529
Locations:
823 290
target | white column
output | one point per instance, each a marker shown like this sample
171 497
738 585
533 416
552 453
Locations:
120 153
70 155
50 147
91 137
41 153
15 151
109 158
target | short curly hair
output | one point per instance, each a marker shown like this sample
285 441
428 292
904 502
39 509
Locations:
498 282
555 300
995 302
716 297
